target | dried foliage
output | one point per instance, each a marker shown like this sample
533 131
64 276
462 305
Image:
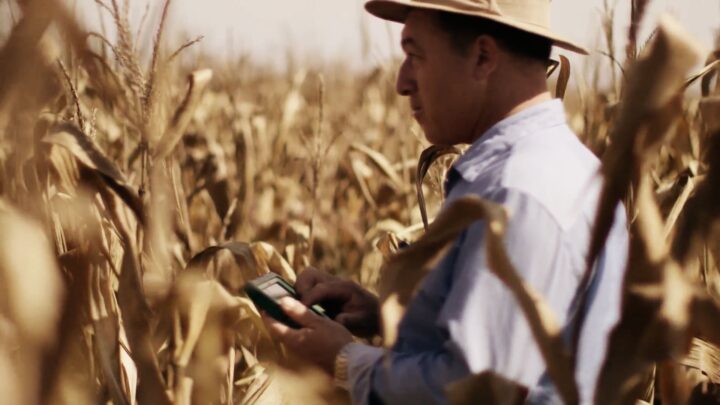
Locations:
138 195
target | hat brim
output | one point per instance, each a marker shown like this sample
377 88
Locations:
397 11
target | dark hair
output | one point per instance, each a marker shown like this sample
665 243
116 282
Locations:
464 29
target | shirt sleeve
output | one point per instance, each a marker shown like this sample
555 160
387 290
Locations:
362 359
484 327
485 323
378 376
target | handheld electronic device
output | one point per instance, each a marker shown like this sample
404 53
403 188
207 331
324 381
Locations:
266 291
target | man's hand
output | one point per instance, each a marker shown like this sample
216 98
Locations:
318 340
348 303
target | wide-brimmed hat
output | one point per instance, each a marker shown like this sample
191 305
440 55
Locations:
532 16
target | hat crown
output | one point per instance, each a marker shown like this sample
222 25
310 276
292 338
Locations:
534 12
532 16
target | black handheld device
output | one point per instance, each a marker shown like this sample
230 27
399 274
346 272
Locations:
267 290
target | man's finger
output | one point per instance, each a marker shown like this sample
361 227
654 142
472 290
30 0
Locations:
292 338
277 329
307 279
298 312
330 291
359 323
350 319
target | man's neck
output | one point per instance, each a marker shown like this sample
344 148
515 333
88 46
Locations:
531 102
512 101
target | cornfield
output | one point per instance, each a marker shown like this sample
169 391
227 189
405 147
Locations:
138 194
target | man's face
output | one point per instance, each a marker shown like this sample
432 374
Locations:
441 83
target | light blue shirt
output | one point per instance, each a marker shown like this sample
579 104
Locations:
463 320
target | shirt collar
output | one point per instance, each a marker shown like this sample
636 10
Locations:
506 133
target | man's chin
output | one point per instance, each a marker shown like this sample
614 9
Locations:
437 137
434 138
433 135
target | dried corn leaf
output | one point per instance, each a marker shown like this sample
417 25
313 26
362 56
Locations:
293 105
698 219
183 391
197 82
709 109
18 52
405 270
707 70
252 259
427 158
678 207
90 156
705 313
157 276
563 78
63 380
388 244
652 85
128 369
657 310
647 111
32 289
136 313
262 391
362 171
107 345
196 300
249 266
705 357
303 385
381 162
11 385
552 67
245 152
673 384
106 341
707 79
271 258
240 250
210 318
486 388
32 292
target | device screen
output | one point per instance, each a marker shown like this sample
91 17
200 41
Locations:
275 288
276 291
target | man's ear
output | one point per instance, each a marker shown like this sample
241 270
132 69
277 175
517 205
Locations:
486 53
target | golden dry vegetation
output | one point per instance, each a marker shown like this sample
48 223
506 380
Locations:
138 194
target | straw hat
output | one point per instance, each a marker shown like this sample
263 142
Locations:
531 16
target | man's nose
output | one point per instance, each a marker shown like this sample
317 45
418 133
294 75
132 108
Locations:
405 85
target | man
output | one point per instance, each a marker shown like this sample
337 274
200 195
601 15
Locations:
474 73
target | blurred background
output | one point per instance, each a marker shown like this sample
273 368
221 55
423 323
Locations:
145 176
320 32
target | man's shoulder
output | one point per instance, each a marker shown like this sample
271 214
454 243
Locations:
557 170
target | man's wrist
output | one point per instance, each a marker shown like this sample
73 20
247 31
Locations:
340 371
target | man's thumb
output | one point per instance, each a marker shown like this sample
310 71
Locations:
297 311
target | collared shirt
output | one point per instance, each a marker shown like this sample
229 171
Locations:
463 320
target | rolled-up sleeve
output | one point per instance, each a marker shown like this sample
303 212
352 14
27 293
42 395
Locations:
362 359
